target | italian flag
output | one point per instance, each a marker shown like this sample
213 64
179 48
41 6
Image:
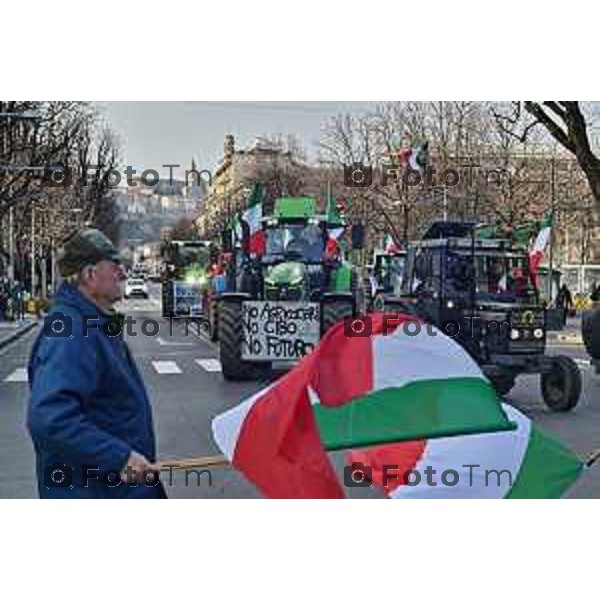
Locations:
523 463
253 215
332 246
353 392
415 158
389 245
536 253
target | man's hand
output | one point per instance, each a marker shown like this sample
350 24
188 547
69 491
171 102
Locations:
137 465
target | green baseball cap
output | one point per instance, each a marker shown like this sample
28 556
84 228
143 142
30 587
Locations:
87 247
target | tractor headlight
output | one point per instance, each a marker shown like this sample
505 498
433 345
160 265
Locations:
449 304
538 334
514 334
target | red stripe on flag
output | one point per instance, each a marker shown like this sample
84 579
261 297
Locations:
257 242
279 447
345 363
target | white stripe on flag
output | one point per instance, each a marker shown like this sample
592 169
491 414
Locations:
490 452
253 216
541 241
424 357
226 427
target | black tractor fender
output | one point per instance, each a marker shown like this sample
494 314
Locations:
233 296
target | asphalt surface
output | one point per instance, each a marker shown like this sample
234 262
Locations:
182 373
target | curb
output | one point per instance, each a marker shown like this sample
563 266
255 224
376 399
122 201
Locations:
17 334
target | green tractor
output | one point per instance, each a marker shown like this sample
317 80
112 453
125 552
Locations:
279 303
184 281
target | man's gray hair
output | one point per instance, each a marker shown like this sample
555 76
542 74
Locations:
75 278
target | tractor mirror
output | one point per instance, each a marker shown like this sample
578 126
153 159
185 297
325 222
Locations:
358 237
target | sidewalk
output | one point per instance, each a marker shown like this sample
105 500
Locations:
10 331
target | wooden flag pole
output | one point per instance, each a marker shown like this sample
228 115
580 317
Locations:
194 463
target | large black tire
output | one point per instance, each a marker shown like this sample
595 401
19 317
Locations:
590 332
230 345
334 312
561 387
503 382
213 319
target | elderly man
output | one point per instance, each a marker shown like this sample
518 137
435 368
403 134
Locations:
89 415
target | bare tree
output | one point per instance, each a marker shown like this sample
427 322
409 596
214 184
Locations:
565 122
55 137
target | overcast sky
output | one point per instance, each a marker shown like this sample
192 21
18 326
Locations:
157 133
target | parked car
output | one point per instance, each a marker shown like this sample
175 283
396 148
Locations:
136 288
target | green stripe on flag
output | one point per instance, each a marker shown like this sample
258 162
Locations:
418 410
548 468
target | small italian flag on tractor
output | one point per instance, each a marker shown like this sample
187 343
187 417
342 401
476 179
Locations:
538 248
253 215
389 245
416 158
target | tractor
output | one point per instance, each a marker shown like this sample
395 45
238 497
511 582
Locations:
278 303
184 279
481 293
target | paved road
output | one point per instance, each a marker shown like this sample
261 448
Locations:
181 370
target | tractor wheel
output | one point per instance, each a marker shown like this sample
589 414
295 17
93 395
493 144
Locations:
230 345
213 318
561 387
503 382
333 312
590 332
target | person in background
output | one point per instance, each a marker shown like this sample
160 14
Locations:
18 298
564 300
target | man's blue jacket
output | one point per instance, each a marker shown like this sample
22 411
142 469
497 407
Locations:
88 407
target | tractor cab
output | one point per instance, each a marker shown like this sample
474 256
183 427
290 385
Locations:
299 262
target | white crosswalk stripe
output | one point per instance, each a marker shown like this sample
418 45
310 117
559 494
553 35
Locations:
18 375
166 367
212 365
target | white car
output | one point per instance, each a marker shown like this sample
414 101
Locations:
136 287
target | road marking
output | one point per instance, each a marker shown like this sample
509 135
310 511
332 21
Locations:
212 365
18 375
167 343
166 367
